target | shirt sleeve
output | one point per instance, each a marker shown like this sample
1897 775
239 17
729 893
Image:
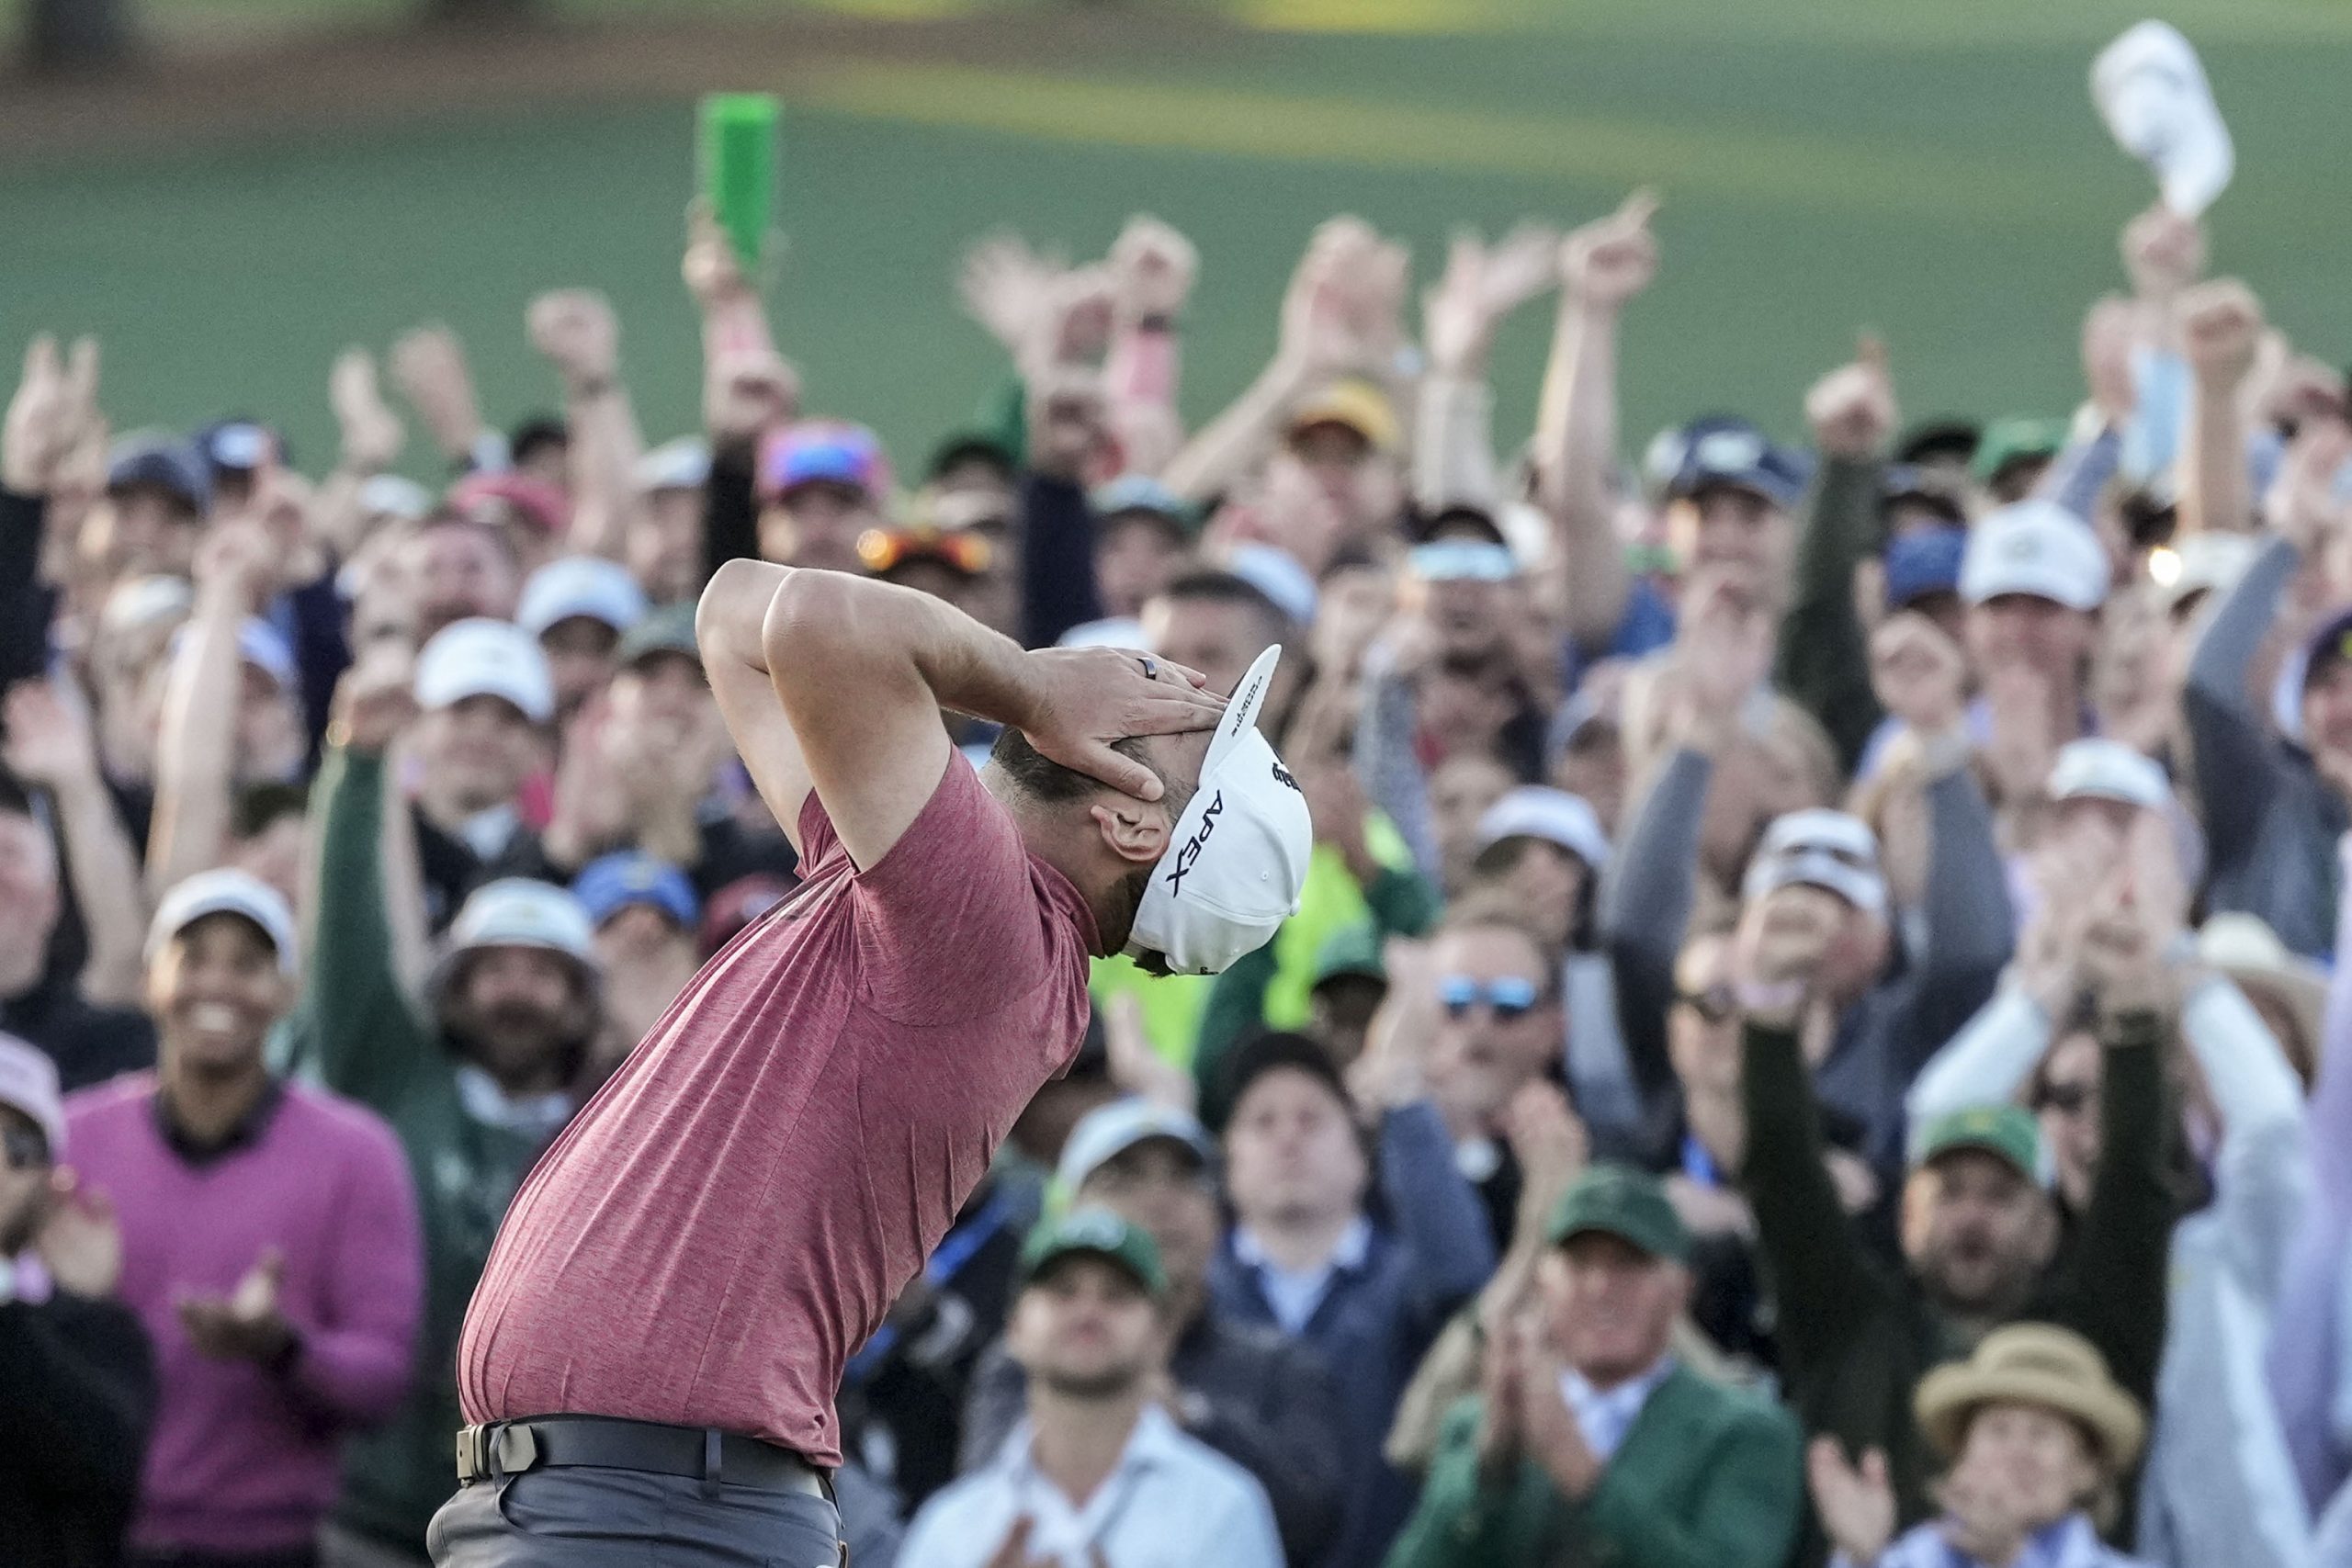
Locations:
950 920
358 1356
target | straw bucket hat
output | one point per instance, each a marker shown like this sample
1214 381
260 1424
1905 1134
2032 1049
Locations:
2033 1363
2250 953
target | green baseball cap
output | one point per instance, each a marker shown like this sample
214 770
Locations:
1094 1233
2008 441
2005 1132
1351 950
1626 1203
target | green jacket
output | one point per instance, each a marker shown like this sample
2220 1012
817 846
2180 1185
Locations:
1709 1477
1823 660
1856 1337
370 1044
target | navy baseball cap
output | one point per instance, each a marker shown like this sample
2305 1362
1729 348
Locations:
164 462
1723 450
1924 561
610 884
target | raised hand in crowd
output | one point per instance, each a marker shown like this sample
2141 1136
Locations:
1480 286
1394 1069
428 365
1549 1431
1610 260
1919 676
2163 252
1134 1068
52 743
747 386
370 433
55 406
376 701
1854 1502
1007 288
1851 410
1152 269
575 331
2110 328
1722 655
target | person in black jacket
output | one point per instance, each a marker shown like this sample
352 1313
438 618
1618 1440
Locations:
77 1376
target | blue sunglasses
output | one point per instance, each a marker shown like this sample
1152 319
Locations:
1511 996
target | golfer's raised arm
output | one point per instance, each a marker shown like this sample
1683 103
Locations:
860 671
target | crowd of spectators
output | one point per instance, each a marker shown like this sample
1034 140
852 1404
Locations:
1816 1032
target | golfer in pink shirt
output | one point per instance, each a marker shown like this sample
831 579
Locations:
651 1358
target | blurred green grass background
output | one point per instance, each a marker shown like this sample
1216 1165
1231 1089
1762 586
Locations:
1937 173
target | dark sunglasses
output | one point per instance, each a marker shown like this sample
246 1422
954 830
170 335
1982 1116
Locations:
1510 997
1716 1004
25 1148
2066 1098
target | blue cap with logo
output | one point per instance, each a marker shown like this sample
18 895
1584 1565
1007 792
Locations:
1729 452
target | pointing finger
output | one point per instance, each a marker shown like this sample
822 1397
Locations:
1639 206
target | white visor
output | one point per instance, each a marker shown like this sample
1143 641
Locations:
1236 861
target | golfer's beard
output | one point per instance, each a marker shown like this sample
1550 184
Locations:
1114 920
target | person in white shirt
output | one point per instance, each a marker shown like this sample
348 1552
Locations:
1098 1476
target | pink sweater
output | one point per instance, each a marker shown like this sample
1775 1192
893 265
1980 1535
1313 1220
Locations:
244 1458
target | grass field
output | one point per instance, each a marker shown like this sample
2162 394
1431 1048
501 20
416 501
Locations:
1934 171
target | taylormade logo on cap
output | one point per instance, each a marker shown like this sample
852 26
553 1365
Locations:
1237 858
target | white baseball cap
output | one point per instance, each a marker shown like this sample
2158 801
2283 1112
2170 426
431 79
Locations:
1236 861
1277 574
1819 849
521 911
394 495
2036 548
2108 770
682 463
479 656
1106 1133
579 585
1536 811
29 1082
2210 563
2152 91
225 892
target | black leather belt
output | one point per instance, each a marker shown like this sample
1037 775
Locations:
701 1453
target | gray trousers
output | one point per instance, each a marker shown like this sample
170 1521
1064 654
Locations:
596 1518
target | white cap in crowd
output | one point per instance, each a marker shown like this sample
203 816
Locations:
1277 574
394 495
224 891
28 1083
579 585
1106 1133
682 463
479 658
2210 563
519 911
1537 811
2035 547
1236 863
2108 770
1819 849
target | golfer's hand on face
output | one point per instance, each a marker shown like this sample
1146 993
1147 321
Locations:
1084 699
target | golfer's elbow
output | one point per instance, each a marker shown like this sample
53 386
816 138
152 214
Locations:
808 613
730 618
